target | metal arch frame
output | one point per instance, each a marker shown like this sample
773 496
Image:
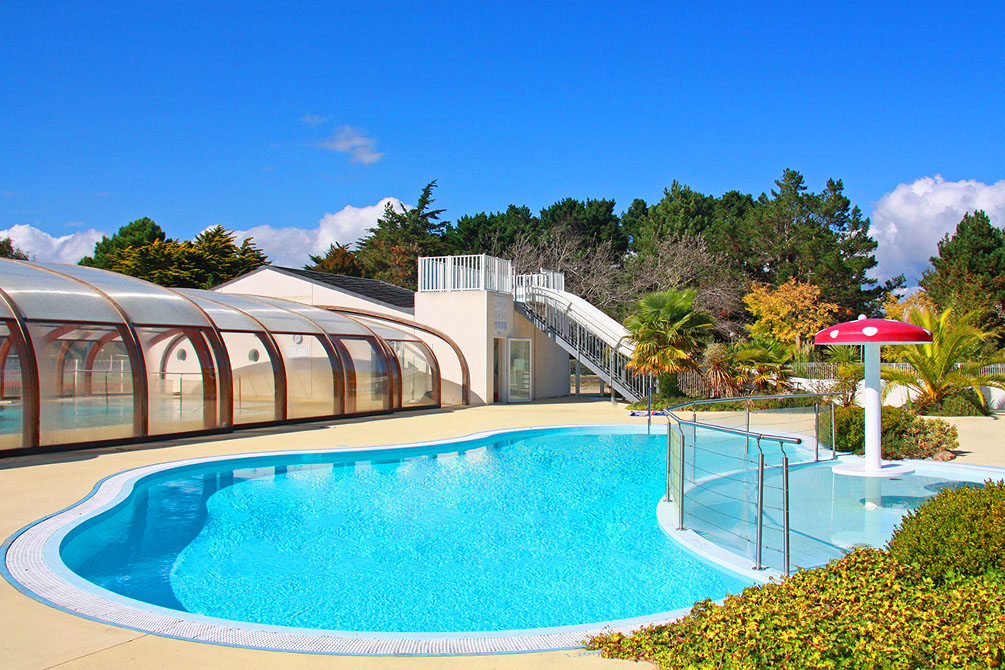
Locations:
202 352
334 353
394 371
30 393
275 358
213 335
465 372
4 353
141 392
92 355
225 395
437 379
390 360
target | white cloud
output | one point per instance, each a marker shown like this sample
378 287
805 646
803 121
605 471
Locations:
43 247
352 141
292 246
284 246
909 221
313 119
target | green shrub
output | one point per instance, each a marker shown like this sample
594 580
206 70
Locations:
958 531
927 437
904 435
965 403
662 402
864 611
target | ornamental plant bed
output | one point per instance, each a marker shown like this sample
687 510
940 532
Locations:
865 611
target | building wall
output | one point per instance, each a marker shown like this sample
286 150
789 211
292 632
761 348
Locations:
474 319
463 316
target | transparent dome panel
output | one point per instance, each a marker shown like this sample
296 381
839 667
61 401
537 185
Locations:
144 303
50 297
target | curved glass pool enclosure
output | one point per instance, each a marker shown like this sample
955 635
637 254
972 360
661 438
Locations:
91 356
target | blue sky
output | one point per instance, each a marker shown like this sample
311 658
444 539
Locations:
266 118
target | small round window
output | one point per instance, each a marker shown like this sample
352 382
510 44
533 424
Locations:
181 355
253 355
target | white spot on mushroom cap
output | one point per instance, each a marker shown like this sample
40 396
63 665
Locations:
869 331
834 333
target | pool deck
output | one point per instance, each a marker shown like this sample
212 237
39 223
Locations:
37 636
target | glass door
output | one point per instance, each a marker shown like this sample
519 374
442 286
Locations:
519 370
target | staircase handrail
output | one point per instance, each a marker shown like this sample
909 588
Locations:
609 330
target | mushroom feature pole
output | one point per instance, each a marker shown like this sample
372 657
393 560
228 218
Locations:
871 334
873 402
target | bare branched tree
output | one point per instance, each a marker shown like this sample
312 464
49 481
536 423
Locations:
685 261
592 271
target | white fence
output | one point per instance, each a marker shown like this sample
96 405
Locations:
543 279
465 273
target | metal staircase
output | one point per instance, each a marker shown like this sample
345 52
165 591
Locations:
595 339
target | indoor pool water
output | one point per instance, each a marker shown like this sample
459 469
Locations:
527 529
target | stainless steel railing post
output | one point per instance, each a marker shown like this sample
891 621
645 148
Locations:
816 431
680 493
669 457
760 507
834 445
785 511
649 413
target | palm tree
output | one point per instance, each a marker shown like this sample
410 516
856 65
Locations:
666 332
848 372
721 370
765 365
951 364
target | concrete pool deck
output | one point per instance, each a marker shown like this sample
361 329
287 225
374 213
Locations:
38 636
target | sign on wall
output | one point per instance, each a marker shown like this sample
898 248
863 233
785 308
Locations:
501 310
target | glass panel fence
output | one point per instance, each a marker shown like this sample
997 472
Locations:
728 469
371 373
417 374
85 383
11 404
310 381
181 380
254 378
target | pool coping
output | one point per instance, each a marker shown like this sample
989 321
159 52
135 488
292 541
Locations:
31 564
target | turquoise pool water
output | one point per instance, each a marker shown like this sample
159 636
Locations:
528 529
534 529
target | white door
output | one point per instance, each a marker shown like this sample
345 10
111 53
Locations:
519 370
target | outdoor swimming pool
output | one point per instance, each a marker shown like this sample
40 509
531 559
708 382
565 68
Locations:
486 536
532 530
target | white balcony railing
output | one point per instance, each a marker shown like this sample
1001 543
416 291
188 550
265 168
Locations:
465 273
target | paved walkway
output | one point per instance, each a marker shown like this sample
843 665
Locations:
33 635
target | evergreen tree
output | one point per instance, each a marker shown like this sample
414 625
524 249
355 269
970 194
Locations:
217 259
211 259
681 212
632 220
134 234
338 260
492 234
8 250
593 222
969 271
391 250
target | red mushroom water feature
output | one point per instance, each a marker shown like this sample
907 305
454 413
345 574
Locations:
871 333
